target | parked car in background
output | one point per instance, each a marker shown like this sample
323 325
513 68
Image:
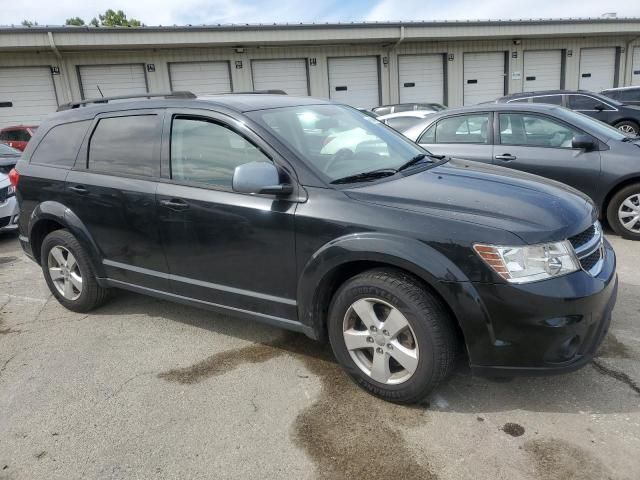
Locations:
8 204
407 107
625 118
368 112
395 256
626 95
403 120
17 137
549 141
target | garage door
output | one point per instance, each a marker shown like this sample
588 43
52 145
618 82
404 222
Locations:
201 78
542 70
289 75
635 74
112 80
421 78
355 81
27 95
483 77
597 68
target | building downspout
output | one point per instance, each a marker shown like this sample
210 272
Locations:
389 52
58 55
626 58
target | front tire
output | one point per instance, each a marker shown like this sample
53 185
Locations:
393 337
623 212
69 274
628 128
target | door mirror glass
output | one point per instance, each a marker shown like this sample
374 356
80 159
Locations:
599 107
583 142
259 177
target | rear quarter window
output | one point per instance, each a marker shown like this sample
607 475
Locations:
60 145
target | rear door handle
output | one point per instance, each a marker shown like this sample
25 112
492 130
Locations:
507 157
175 204
79 189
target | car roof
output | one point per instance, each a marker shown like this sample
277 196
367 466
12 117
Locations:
529 107
234 102
546 92
616 89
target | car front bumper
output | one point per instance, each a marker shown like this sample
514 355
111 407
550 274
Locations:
9 214
552 326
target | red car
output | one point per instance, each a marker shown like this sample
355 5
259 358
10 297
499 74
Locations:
18 136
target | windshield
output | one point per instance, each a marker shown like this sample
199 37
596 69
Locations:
7 150
337 140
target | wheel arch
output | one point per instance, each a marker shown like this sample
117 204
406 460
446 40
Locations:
625 182
50 216
344 258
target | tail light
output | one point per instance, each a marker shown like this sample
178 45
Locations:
14 176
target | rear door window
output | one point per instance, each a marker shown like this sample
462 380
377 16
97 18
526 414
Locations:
60 145
128 145
464 129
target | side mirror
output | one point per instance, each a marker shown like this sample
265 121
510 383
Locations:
599 107
259 177
583 142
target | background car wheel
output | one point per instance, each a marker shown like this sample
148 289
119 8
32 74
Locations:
628 128
393 337
69 274
623 212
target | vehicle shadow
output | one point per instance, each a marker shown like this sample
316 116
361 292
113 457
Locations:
589 390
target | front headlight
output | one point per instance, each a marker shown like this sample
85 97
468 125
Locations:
529 263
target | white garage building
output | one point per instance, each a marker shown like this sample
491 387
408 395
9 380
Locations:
365 65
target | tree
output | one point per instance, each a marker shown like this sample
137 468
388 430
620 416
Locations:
77 21
29 23
118 18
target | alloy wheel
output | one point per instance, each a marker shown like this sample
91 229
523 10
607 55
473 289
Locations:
628 130
380 341
65 272
629 213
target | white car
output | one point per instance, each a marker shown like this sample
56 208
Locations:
403 120
8 202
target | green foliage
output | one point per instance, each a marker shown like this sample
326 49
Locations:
118 18
28 23
77 21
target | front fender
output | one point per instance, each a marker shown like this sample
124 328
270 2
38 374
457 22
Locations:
408 254
57 212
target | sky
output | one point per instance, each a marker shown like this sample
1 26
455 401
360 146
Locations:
184 12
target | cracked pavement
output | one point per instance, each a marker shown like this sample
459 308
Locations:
143 388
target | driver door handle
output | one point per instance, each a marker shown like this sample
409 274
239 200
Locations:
175 204
507 157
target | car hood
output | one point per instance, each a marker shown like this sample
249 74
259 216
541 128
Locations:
533 208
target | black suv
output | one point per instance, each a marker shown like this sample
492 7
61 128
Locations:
313 216
625 118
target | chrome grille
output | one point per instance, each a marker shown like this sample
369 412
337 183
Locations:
589 248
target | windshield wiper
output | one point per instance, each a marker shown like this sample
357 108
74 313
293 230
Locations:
419 158
366 176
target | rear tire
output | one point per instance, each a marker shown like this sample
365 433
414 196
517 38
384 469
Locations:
623 208
414 339
69 274
628 127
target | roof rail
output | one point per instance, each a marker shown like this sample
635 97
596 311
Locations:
84 103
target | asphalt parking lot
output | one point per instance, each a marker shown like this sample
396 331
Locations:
147 389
